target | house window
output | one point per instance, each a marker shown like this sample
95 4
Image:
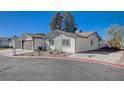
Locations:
51 42
66 42
91 43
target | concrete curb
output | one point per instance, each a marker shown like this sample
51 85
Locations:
74 58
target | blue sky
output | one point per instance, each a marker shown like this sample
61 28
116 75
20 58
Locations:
16 23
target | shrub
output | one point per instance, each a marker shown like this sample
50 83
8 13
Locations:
40 48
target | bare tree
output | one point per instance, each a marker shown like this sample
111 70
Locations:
115 33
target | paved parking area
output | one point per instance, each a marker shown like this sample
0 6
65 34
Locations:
15 69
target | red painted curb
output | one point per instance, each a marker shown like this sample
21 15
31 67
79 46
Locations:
101 62
75 58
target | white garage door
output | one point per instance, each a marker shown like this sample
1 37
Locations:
27 44
18 44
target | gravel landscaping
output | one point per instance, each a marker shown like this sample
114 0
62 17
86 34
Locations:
44 53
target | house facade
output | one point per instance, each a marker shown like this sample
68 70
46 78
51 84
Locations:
60 41
14 42
72 42
32 41
4 42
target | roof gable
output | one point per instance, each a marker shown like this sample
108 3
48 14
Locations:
58 32
52 34
25 36
30 35
55 33
88 34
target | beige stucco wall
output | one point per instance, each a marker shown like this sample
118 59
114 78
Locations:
58 44
71 48
39 43
84 44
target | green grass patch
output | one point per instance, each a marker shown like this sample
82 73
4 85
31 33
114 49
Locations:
3 49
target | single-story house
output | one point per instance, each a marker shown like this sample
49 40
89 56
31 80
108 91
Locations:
4 42
72 42
102 43
14 42
32 41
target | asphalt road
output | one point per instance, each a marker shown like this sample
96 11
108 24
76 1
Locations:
14 69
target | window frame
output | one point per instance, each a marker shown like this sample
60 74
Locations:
66 42
91 43
51 42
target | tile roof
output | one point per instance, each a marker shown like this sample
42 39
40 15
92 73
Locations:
70 33
82 34
86 34
37 36
77 34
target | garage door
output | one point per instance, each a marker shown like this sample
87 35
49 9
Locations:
18 44
27 44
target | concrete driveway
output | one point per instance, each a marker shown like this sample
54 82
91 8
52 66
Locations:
107 57
15 69
10 52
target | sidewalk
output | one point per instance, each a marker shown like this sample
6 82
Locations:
121 60
10 52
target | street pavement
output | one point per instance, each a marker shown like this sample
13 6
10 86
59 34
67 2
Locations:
24 69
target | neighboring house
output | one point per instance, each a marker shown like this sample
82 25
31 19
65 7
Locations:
72 42
32 41
102 43
4 42
14 42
